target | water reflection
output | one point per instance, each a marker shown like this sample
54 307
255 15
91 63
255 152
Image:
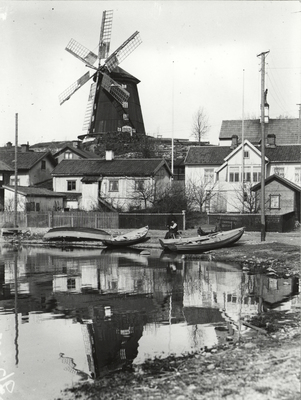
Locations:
74 314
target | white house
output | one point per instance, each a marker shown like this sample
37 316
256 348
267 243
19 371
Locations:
121 183
229 175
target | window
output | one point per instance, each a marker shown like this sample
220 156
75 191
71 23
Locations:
70 283
71 185
68 155
30 206
209 175
43 164
297 175
125 117
113 186
125 104
139 185
275 201
1 177
247 175
234 174
12 180
279 171
246 154
256 176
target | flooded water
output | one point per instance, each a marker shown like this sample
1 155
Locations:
73 315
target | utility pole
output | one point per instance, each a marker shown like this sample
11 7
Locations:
262 197
242 142
16 176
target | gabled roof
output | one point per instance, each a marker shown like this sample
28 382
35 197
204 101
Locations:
217 155
34 191
124 167
26 160
4 166
279 179
287 131
80 152
208 155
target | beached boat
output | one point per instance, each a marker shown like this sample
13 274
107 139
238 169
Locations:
200 244
76 234
128 239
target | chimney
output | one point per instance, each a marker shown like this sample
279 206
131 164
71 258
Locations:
9 145
24 147
109 155
234 143
271 140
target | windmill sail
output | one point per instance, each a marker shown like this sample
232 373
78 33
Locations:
123 51
73 88
105 34
89 109
81 52
117 91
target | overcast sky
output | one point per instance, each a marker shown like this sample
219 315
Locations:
193 55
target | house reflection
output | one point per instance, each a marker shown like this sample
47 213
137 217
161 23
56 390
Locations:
123 297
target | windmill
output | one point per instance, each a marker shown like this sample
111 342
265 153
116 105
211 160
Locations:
113 102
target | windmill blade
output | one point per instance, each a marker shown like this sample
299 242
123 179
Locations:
123 51
105 34
89 109
81 52
117 91
73 88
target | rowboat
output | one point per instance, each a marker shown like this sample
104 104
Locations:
127 239
75 234
200 244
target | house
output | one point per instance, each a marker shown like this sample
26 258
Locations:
219 169
282 196
32 199
5 172
33 168
121 183
73 153
287 130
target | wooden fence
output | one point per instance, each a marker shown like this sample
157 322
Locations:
51 219
99 220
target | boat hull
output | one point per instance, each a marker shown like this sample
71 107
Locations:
75 234
128 239
207 243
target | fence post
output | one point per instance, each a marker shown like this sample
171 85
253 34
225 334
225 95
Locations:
184 220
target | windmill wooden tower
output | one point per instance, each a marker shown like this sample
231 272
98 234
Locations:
113 103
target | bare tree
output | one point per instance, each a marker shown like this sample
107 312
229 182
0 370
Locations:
200 192
200 124
246 200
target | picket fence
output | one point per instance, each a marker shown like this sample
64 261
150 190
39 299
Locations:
99 220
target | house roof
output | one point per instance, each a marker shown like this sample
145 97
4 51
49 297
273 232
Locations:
279 179
285 153
34 191
80 152
26 160
209 155
217 155
4 166
118 167
287 131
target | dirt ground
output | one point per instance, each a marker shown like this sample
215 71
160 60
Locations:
262 365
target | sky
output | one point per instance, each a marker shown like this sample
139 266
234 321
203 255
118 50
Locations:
194 54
